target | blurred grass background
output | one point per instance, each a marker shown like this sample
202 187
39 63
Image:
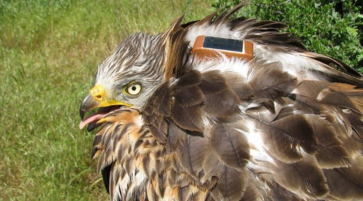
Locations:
49 52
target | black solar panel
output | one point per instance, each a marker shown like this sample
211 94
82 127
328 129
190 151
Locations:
223 44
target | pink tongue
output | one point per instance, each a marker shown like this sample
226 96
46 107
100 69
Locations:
90 119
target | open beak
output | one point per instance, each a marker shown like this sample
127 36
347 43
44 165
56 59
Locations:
97 98
88 104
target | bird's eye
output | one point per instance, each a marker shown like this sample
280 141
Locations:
133 89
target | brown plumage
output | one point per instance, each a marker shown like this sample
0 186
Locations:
286 125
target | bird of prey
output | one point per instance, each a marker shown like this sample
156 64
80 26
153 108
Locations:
178 123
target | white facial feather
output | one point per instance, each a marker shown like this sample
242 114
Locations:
137 59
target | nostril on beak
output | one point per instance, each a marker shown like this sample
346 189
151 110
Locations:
98 92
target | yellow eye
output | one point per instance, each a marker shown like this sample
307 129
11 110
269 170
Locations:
133 89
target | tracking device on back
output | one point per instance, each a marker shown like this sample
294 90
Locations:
209 46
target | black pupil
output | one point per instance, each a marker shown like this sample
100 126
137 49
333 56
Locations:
133 88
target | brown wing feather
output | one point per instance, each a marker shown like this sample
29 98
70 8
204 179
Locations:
230 145
350 183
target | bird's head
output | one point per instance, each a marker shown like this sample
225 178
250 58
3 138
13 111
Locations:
133 72
127 78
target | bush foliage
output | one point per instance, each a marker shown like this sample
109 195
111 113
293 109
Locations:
330 27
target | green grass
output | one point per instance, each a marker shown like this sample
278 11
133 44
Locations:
49 51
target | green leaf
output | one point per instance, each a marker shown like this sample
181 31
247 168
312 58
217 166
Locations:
352 31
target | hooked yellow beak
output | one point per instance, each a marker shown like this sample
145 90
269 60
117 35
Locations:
96 98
